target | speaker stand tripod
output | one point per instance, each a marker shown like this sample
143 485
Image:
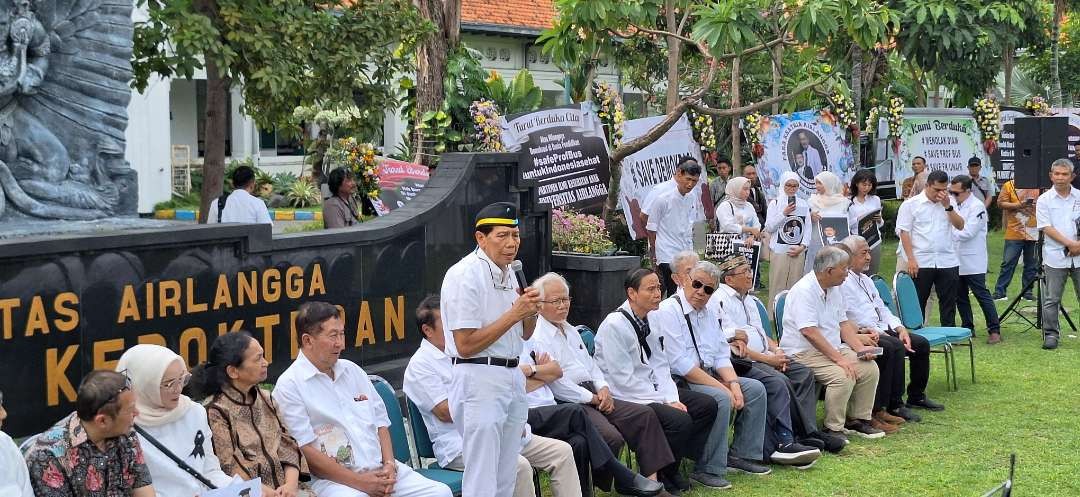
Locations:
1040 279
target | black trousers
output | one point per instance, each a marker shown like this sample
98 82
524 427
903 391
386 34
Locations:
686 432
947 282
638 426
569 423
663 269
802 394
977 284
890 389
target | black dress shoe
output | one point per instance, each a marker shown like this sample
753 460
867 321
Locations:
906 413
676 478
640 487
1050 342
669 487
925 403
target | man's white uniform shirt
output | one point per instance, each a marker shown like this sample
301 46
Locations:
427 384
1062 213
864 305
808 305
631 374
931 232
569 350
736 313
706 348
971 241
475 293
242 207
672 216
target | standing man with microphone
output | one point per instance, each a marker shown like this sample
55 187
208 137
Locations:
487 313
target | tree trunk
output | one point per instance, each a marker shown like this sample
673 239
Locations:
736 133
1007 59
1055 64
431 66
674 46
216 124
778 56
856 96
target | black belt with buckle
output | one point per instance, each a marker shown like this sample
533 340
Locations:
489 361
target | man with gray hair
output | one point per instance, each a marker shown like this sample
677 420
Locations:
699 357
819 335
669 215
1057 214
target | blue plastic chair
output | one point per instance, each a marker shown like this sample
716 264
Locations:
421 439
765 322
885 293
911 315
588 336
778 313
400 439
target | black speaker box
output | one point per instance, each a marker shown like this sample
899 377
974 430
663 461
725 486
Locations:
1039 142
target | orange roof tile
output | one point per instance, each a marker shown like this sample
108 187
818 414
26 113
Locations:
536 14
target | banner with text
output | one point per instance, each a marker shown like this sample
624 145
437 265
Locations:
946 142
806 142
399 182
564 150
654 164
1004 159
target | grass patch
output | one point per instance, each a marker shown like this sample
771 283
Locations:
300 228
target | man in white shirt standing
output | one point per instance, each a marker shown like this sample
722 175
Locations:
485 317
631 355
241 206
330 406
971 250
1057 214
819 335
428 379
670 214
925 222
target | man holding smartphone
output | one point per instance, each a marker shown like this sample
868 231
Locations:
1018 213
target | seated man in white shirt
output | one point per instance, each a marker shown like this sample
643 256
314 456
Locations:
241 206
330 406
873 318
632 358
14 477
427 383
792 391
819 335
568 422
582 382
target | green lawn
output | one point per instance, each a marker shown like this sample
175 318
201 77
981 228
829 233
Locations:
1023 402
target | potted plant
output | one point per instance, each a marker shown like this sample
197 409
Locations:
584 254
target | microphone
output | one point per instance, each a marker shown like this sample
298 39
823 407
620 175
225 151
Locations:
520 275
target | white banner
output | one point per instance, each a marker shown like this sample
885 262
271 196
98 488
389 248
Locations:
653 165
946 138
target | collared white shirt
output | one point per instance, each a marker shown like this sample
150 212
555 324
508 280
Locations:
732 219
542 396
808 305
475 293
569 350
983 184
739 312
242 207
672 216
427 383
931 231
971 241
864 305
775 218
860 209
1062 213
14 477
631 375
331 412
710 350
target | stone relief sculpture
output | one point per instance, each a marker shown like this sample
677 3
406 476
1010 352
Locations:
65 66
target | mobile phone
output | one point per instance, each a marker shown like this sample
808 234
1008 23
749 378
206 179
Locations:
1029 201
791 200
872 352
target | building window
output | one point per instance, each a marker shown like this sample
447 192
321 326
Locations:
200 116
280 143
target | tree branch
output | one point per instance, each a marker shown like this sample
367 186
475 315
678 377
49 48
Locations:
756 49
738 111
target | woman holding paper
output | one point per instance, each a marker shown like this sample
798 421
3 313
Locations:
735 214
788 223
171 426
864 203
827 202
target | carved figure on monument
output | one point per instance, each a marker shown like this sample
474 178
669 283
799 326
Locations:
64 72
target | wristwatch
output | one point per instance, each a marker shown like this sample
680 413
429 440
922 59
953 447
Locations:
949 209
733 383
532 371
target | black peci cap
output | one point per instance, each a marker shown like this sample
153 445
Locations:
974 161
498 214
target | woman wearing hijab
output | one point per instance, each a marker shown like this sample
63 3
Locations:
827 201
788 222
249 437
735 214
158 376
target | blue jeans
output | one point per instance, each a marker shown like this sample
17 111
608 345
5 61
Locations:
749 427
1011 255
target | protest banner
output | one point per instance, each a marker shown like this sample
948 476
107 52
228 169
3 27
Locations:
946 138
1004 158
399 182
718 246
565 152
806 142
655 164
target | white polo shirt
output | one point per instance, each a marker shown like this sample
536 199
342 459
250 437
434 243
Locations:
775 219
542 396
475 292
1062 213
672 216
333 413
971 241
566 347
682 355
242 207
931 232
427 384
739 313
631 375
864 305
808 305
